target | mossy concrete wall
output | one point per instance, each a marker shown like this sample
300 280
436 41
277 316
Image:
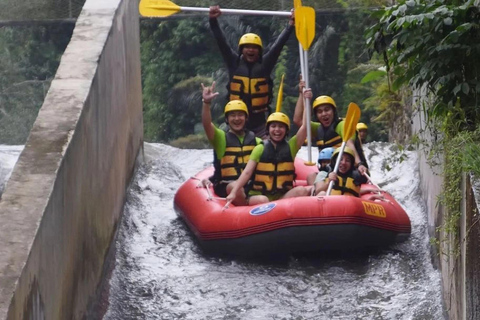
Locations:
457 255
472 248
62 204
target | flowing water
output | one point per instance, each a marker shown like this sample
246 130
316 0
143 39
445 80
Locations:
161 273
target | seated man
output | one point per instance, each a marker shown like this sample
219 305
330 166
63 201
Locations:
327 129
347 181
271 165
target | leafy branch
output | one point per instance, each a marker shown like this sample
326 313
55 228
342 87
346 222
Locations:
434 44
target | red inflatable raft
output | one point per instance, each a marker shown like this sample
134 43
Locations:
302 224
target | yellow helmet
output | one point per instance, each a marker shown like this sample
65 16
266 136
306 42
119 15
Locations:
250 38
361 126
235 105
347 150
279 117
323 100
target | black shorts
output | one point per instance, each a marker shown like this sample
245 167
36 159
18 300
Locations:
221 189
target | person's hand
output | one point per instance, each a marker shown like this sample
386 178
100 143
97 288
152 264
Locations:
301 85
229 199
208 93
307 94
362 169
214 12
332 176
291 21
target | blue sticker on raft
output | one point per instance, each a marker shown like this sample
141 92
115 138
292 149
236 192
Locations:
262 209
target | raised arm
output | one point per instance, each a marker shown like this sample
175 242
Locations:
208 95
302 131
271 57
351 144
300 105
229 55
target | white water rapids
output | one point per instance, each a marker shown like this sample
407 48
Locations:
161 273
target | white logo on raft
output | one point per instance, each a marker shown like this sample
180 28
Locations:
262 209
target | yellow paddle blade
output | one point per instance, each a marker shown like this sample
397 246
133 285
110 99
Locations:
351 120
157 8
280 96
305 26
297 4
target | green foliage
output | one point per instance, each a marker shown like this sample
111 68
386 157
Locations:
29 57
461 155
353 63
193 141
39 9
170 62
434 44
176 50
179 55
373 75
467 144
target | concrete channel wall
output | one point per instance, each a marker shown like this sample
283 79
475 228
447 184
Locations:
457 257
62 204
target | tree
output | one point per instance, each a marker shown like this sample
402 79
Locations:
29 57
166 67
172 52
435 44
175 55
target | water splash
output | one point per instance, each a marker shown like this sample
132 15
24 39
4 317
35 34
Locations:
161 273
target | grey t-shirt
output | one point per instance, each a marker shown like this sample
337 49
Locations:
321 176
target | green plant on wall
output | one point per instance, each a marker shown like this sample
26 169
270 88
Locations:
460 155
433 45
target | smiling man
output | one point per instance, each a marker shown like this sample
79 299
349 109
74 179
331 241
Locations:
327 131
250 70
233 147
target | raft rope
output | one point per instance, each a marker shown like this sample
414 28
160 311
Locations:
379 195
370 180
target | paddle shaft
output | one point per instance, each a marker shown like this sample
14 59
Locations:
304 70
337 164
237 11
305 32
370 179
351 120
